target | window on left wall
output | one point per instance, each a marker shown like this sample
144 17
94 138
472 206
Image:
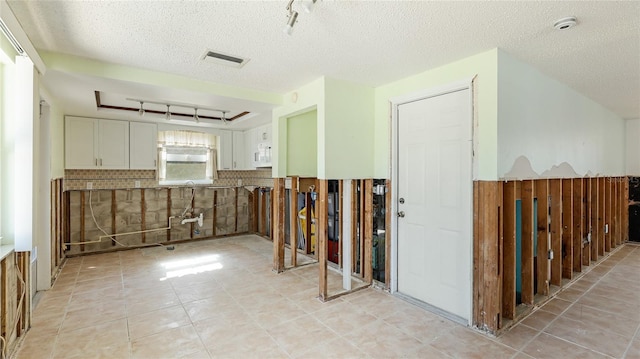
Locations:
187 157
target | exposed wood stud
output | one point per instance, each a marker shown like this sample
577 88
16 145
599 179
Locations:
528 232
625 210
361 230
278 224
601 216
168 212
578 218
509 250
555 195
321 235
567 228
607 214
235 191
293 221
586 220
387 234
263 213
594 227
215 210
542 263
272 206
368 230
340 221
143 214
309 220
355 225
82 214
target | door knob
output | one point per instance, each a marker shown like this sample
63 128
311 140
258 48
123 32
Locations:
401 214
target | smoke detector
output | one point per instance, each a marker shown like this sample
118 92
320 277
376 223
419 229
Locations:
565 23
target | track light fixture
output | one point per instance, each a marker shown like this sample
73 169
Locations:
308 5
168 112
141 111
195 115
224 117
293 16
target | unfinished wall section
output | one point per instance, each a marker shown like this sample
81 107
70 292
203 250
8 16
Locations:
534 237
146 212
15 294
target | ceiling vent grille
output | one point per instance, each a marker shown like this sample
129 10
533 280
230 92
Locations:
224 59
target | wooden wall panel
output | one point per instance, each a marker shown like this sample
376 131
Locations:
528 233
543 263
487 248
509 250
567 228
578 223
555 195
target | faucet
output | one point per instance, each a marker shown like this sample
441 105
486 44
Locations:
198 219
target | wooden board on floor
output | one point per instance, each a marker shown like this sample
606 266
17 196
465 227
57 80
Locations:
542 195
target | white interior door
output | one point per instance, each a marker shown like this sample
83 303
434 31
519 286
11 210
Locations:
434 195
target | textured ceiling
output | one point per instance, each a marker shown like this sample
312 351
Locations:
367 42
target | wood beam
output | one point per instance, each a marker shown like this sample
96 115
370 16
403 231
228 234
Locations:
293 221
309 219
607 214
542 259
578 223
215 210
278 224
555 199
567 228
368 230
321 235
586 221
82 224
509 253
387 234
527 194
594 226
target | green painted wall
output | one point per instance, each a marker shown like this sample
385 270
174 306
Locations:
302 145
485 67
307 98
349 131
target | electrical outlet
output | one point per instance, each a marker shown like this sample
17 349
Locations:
239 182
606 228
136 184
89 185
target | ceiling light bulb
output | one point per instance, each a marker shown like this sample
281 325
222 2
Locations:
168 113
195 115
288 29
308 5
141 110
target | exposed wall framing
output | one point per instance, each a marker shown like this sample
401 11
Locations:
58 226
15 294
572 222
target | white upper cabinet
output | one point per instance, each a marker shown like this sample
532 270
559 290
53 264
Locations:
250 156
262 146
225 151
143 145
96 144
239 162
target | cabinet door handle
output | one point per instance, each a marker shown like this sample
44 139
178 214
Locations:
101 162
96 162
154 163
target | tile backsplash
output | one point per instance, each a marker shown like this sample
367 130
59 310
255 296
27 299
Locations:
123 179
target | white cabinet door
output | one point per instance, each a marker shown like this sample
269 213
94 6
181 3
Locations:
113 142
250 149
143 145
80 143
225 151
238 151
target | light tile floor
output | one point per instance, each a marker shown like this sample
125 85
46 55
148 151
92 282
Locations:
220 299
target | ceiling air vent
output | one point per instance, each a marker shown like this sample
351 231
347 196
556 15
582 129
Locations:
224 59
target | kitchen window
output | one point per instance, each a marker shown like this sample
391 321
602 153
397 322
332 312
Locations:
186 157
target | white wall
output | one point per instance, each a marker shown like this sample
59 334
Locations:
632 131
549 124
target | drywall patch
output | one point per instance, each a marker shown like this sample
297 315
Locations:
563 170
521 169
